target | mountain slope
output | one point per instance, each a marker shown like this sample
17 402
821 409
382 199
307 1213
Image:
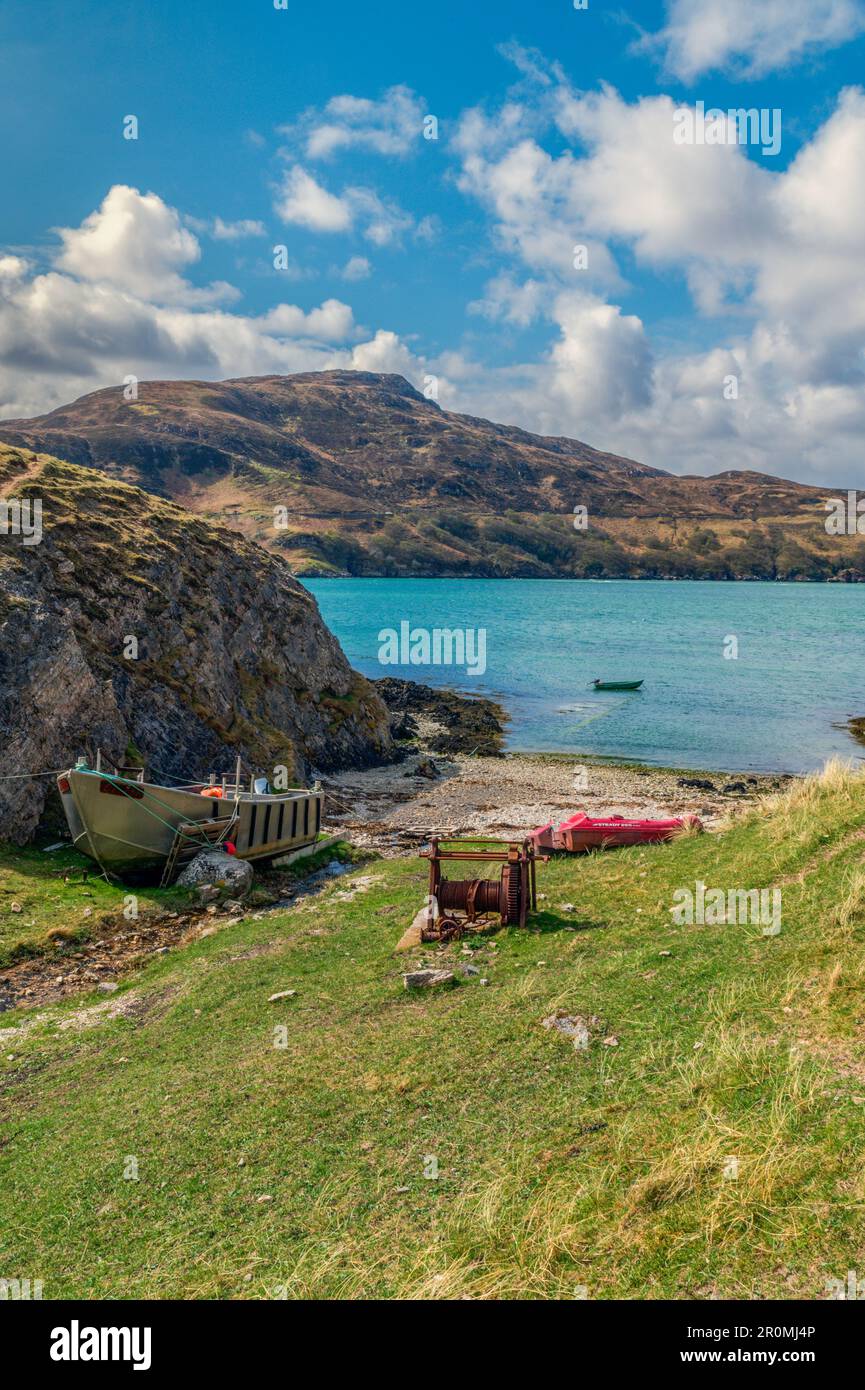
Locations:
357 472
142 629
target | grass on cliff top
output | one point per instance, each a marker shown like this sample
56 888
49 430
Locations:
708 1143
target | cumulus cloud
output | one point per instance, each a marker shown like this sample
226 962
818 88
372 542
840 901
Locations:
306 203
331 322
136 242
752 37
775 252
389 126
770 257
385 352
97 317
303 201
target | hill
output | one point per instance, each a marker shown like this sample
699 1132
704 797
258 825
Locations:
358 473
355 1141
135 626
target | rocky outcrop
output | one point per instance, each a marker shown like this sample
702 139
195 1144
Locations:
454 724
139 628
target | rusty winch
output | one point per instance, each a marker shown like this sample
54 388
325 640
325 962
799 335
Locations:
460 904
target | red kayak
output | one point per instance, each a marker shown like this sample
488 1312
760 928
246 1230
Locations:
582 832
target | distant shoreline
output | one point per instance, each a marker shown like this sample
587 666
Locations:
592 578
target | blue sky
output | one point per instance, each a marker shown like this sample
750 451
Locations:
450 260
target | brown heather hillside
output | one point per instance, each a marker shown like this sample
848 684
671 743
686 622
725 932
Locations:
233 657
375 479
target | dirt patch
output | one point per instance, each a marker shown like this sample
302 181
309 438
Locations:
117 946
130 1005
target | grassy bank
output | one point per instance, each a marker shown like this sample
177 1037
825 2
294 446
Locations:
707 1143
47 900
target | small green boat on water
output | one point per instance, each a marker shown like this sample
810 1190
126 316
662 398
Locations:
617 685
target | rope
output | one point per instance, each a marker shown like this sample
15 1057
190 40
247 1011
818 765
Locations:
175 829
15 776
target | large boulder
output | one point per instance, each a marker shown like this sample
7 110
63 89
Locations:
232 876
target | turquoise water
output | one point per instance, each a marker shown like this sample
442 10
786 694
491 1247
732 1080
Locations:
799 671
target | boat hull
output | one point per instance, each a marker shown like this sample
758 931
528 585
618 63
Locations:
616 685
582 833
129 827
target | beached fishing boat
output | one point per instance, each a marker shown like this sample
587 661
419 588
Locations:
133 827
617 685
582 833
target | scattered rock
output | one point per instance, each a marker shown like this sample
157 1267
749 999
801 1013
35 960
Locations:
470 970
567 907
107 986
413 935
425 768
735 789
699 784
571 1026
428 979
213 867
283 994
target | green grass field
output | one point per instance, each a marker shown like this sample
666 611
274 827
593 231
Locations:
710 1141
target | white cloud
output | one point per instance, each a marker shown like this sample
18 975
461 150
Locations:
332 322
12 267
752 37
303 201
306 203
507 301
778 253
89 323
136 242
385 353
389 126
234 231
356 268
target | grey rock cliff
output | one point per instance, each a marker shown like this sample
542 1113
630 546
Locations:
232 659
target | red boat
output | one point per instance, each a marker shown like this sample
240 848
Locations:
581 832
